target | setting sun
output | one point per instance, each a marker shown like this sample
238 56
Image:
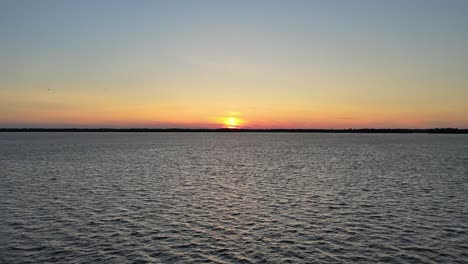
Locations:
232 122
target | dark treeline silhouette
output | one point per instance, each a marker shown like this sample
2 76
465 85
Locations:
282 130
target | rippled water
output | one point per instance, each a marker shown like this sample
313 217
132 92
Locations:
233 198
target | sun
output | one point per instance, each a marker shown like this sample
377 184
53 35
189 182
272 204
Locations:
232 122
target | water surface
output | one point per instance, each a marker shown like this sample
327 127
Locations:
233 198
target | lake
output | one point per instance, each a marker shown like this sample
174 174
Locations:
233 198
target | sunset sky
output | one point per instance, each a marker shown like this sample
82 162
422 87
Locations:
252 64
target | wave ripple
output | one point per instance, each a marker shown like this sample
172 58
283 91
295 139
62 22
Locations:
233 198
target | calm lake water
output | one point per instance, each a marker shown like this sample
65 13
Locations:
233 198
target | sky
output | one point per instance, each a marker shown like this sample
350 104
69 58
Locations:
245 63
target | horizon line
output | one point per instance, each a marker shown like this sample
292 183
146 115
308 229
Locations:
447 130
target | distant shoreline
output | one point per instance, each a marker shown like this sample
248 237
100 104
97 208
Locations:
243 130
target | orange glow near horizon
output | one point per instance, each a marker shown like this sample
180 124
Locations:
83 114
